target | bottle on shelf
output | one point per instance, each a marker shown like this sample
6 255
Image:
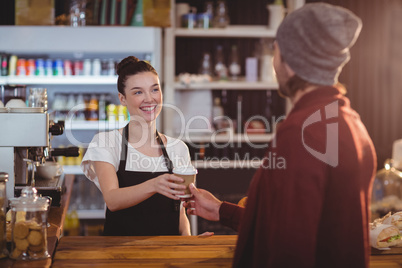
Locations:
78 67
48 67
93 108
72 223
58 68
221 70
217 114
266 67
71 102
59 106
234 66
239 118
206 66
21 67
102 107
80 114
4 64
221 19
77 13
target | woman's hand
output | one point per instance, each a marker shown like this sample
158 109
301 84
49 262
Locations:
167 185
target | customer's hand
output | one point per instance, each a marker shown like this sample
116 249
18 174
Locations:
203 204
167 185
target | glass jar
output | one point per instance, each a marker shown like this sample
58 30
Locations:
3 205
29 226
38 98
387 191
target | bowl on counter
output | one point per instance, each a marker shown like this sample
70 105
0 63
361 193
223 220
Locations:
49 170
16 103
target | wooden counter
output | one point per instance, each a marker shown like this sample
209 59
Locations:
167 251
56 220
146 251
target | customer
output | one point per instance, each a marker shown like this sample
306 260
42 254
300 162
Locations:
314 210
140 194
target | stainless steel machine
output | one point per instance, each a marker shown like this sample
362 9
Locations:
25 135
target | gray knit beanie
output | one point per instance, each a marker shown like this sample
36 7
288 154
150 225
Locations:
314 41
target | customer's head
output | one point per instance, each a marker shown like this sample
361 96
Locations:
131 66
314 41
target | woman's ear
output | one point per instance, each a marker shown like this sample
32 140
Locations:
122 99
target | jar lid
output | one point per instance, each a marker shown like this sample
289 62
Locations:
29 201
3 176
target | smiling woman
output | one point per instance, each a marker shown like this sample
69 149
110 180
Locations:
141 199
143 97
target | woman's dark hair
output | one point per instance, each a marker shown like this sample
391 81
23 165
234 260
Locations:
131 66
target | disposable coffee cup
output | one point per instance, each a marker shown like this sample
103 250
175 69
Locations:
188 174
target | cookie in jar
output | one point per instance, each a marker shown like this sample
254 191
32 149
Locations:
29 226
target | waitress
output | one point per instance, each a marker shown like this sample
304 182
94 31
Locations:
133 166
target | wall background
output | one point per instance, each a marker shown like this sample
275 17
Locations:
373 77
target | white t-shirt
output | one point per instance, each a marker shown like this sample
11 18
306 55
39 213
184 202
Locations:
106 147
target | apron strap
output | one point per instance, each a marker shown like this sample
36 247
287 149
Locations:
168 162
124 143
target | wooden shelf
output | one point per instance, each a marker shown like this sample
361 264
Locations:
59 80
88 39
228 85
235 31
228 138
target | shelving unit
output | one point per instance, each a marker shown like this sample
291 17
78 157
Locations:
172 86
90 42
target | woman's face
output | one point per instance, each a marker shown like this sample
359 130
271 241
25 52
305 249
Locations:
143 96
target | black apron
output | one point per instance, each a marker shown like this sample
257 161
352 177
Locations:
157 215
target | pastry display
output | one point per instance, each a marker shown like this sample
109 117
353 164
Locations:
385 231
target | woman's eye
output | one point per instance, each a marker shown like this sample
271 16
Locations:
137 92
155 89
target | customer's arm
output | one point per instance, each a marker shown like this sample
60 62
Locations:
207 206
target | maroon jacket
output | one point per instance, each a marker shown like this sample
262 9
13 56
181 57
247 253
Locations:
312 209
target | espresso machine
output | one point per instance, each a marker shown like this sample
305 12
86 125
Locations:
25 143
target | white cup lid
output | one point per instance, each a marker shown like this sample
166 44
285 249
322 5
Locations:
185 170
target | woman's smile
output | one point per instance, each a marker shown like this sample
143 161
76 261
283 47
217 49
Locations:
148 109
